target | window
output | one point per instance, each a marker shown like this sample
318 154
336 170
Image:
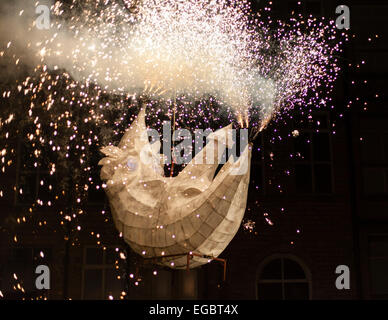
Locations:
312 149
33 185
18 272
100 278
378 266
283 278
364 19
374 156
34 180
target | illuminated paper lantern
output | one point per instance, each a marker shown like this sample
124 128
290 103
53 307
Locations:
197 211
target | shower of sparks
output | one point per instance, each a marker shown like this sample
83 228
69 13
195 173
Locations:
202 63
180 52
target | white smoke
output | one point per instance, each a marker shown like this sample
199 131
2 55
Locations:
167 48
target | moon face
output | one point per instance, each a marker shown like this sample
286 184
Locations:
166 218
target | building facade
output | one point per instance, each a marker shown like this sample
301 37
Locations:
316 205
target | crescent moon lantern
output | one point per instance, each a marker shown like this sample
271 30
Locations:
196 211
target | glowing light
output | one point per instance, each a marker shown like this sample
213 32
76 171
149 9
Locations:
189 59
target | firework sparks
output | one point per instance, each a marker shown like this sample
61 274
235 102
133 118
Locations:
192 61
191 50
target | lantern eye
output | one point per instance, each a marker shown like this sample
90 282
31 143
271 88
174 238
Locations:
132 164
